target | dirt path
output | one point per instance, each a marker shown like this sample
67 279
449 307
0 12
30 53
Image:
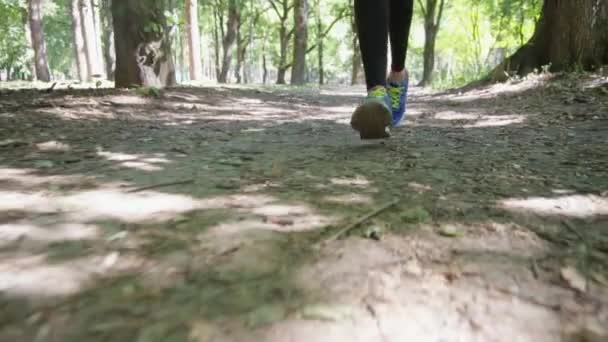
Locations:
207 215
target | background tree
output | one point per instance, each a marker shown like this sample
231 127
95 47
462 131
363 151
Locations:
143 51
432 12
282 9
107 38
35 16
79 47
93 57
194 40
300 14
569 34
234 17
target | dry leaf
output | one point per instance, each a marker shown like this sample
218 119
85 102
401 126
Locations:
574 279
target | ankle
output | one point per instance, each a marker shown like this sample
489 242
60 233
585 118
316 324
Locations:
397 76
380 87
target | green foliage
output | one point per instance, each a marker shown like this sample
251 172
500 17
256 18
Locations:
13 46
474 36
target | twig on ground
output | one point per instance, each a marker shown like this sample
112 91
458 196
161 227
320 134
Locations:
50 90
161 185
359 221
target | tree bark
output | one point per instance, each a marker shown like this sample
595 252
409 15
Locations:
433 13
79 48
229 39
194 40
143 49
38 44
300 14
570 34
108 38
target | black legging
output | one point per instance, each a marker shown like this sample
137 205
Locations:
375 20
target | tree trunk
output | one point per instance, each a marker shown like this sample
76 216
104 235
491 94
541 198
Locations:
108 38
90 40
428 57
356 59
239 55
143 51
284 37
320 46
79 48
264 63
96 11
38 44
300 14
570 34
216 42
229 39
433 12
194 40
30 73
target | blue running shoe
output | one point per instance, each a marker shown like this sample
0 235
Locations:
398 95
373 117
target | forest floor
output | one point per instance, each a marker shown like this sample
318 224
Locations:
212 214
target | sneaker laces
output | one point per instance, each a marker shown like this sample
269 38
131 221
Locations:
378 92
395 94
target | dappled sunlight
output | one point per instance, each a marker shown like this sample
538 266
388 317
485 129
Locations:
138 162
30 231
349 199
26 178
33 276
451 115
497 121
99 204
53 146
576 206
358 181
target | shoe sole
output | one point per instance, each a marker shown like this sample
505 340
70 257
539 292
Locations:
371 120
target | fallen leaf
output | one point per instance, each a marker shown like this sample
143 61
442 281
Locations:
574 279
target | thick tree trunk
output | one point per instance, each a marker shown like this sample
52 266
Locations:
570 34
229 39
90 40
79 48
143 51
109 55
194 40
38 44
433 13
300 14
